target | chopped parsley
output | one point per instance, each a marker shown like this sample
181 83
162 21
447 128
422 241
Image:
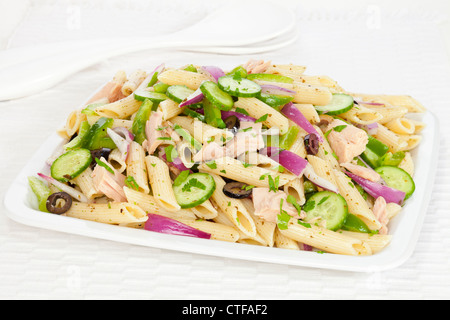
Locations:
283 218
131 183
212 164
340 128
193 183
262 119
104 165
273 183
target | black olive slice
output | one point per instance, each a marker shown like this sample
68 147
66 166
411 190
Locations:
99 153
237 190
53 205
311 144
232 123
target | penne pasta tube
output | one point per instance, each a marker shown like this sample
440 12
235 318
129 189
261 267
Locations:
116 161
161 184
205 210
355 201
259 110
149 204
85 182
133 82
234 209
390 139
111 213
217 231
327 240
265 229
284 242
402 126
251 175
120 109
169 109
376 242
396 100
136 166
192 80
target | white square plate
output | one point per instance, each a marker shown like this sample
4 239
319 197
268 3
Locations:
405 227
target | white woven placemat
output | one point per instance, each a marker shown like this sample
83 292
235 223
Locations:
366 51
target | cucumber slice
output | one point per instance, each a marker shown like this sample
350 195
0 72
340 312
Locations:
270 77
326 206
178 93
239 87
216 96
194 190
397 178
71 164
340 103
156 97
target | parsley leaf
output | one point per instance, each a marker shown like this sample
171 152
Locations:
283 218
193 183
262 119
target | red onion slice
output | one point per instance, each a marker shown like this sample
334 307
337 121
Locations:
69 190
312 176
161 224
291 112
289 160
240 116
214 72
122 144
195 97
277 90
125 133
378 190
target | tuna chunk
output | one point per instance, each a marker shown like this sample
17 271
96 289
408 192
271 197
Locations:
247 139
267 204
348 141
112 91
111 185
210 151
380 212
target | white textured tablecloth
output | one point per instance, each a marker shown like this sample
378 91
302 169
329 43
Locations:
369 51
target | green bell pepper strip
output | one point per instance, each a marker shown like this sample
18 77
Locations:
375 150
378 147
194 114
353 223
392 159
89 110
140 120
213 115
97 136
42 192
187 136
190 68
288 139
160 87
309 187
78 141
239 71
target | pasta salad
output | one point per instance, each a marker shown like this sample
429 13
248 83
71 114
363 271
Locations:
262 154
